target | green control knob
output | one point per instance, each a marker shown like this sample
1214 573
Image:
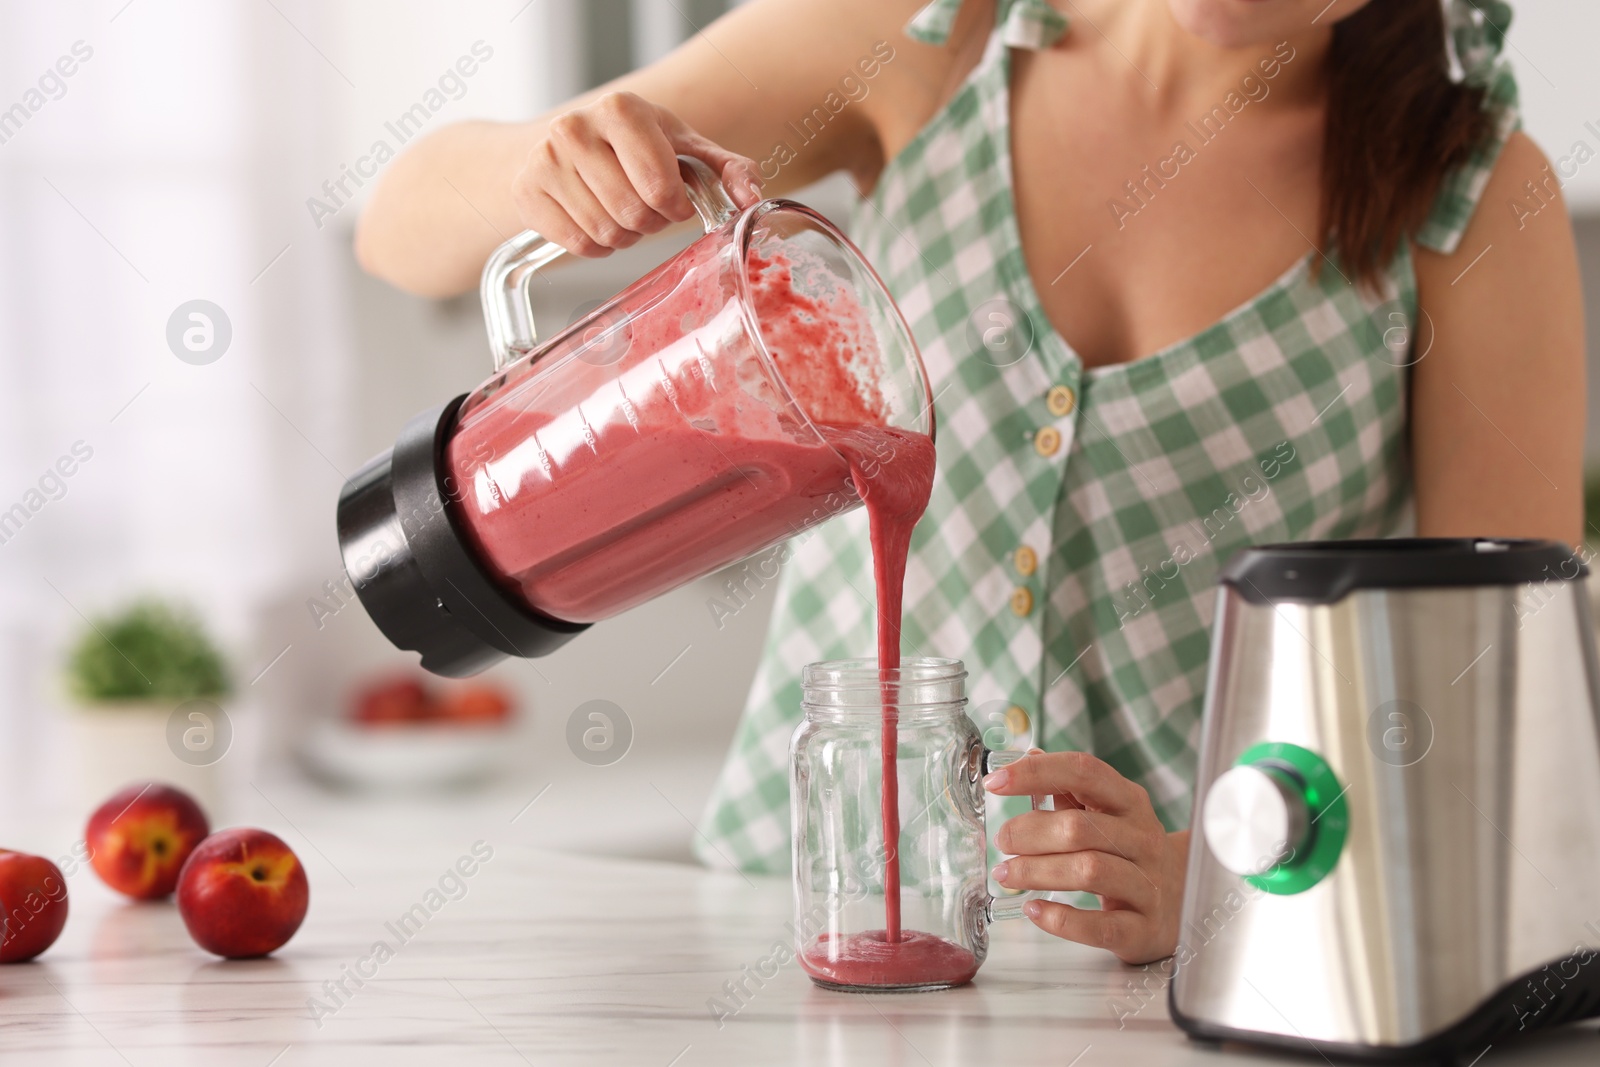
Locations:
1277 818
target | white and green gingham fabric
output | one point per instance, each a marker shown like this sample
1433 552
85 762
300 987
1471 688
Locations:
1284 421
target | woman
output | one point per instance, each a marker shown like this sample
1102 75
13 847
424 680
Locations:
1187 275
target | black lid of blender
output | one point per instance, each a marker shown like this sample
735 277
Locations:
1322 572
411 565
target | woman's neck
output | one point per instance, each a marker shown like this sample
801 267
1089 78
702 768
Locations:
1180 71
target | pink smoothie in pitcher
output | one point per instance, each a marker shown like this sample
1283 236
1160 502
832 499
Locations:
663 449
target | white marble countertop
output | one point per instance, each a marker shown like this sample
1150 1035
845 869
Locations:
549 958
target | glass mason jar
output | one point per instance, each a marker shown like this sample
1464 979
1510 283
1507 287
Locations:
931 930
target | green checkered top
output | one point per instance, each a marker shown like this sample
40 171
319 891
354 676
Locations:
1132 484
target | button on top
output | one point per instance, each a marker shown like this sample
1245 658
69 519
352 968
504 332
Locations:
1021 601
1026 560
1047 441
1061 400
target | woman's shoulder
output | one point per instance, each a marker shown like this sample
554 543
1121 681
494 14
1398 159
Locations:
1517 214
1497 393
928 74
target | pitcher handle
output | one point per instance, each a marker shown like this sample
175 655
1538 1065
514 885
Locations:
506 276
1010 907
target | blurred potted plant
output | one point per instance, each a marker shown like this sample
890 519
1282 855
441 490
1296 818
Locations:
146 685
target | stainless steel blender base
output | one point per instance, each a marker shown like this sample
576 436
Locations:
1536 1001
1427 729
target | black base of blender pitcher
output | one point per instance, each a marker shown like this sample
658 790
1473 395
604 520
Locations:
410 563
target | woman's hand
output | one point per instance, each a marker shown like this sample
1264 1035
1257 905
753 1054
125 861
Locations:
606 174
1103 838
457 192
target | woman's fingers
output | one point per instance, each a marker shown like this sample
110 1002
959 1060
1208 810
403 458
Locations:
634 130
1140 899
1064 801
1094 782
1039 833
1125 934
602 171
542 214
604 234
739 174
1101 873
606 174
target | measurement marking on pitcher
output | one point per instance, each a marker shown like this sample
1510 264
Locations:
707 367
546 464
666 385
628 411
587 429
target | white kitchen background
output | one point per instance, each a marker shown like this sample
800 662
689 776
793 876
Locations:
175 164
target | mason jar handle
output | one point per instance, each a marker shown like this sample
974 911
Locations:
999 908
511 267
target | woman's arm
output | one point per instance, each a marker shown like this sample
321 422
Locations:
728 96
1498 402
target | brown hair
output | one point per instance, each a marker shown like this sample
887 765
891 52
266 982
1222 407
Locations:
1396 125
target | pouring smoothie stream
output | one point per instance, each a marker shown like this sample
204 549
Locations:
896 492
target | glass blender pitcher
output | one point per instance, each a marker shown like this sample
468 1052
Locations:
932 932
684 424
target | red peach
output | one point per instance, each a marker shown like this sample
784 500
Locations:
33 898
139 839
242 893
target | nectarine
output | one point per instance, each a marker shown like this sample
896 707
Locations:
139 838
33 896
242 893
